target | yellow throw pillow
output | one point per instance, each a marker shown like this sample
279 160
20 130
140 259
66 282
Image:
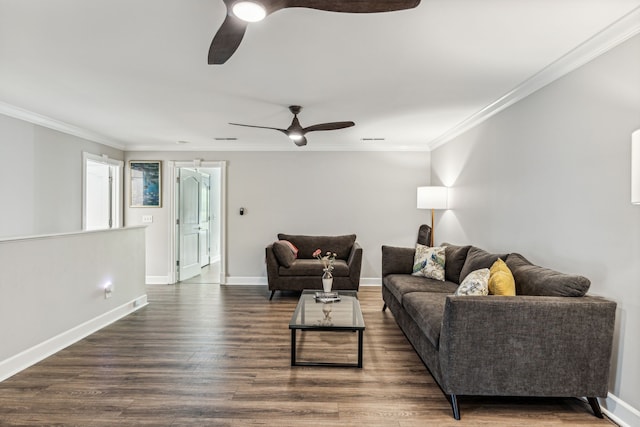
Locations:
501 281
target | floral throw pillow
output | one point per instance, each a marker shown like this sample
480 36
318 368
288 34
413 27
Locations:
476 283
429 262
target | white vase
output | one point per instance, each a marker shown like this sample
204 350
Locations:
327 281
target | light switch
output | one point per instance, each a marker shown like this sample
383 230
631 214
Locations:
147 218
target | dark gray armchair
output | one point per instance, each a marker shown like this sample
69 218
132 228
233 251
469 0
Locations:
286 273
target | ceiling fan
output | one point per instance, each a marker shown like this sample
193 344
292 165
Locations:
296 132
240 13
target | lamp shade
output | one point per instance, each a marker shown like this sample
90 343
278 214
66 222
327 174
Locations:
432 197
635 167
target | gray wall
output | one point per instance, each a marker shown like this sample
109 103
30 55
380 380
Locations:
372 194
45 309
41 178
550 178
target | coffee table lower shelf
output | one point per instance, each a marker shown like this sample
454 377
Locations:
294 361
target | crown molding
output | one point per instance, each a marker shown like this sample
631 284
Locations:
239 146
48 122
613 35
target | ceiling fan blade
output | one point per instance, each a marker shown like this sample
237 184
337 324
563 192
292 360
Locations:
227 39
261 127
329 126
301 142
355 6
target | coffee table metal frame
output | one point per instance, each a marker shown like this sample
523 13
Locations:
299 321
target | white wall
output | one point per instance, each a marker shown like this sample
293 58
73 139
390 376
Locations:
372 194
52 290
550 178
41 178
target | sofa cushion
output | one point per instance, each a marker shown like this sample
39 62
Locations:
454 260
427 310
534 280
306 245
478 258
401 284
283 253
476 283
424 235
313 267
501 281
429 262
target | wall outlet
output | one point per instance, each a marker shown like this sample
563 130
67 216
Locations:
147 219
108 290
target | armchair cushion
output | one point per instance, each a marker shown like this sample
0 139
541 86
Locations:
284 253
313 267
306 245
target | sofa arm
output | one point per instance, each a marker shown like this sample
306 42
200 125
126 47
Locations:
272 266
355 264
527 345
397 260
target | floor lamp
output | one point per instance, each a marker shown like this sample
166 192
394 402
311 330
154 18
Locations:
432 198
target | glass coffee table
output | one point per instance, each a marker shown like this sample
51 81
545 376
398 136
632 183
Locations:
340 316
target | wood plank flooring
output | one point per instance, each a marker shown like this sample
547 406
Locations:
210 355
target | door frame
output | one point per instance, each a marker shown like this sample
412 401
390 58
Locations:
173 206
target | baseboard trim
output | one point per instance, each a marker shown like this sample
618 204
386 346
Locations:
620 411
238 280
39 352
157 280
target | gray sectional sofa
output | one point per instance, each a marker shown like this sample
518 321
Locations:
550 340
287 272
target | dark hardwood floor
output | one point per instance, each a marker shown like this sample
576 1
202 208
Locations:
210 355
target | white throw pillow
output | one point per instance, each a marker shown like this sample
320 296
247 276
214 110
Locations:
476 283
429 262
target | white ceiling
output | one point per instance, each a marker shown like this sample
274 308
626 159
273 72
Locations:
134 74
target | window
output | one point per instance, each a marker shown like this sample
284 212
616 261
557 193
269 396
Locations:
102 192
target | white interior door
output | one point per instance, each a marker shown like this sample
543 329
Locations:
189 224
216 170
98 196
101 205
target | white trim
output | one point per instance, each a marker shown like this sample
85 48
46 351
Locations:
172 246
39 352
158 280
620 411
615 34
235 146
238 280
48 122
262 280
68 233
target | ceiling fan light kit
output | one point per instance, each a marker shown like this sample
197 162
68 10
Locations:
296 132
241 13
249 11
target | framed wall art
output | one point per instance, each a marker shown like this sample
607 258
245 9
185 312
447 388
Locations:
145 183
